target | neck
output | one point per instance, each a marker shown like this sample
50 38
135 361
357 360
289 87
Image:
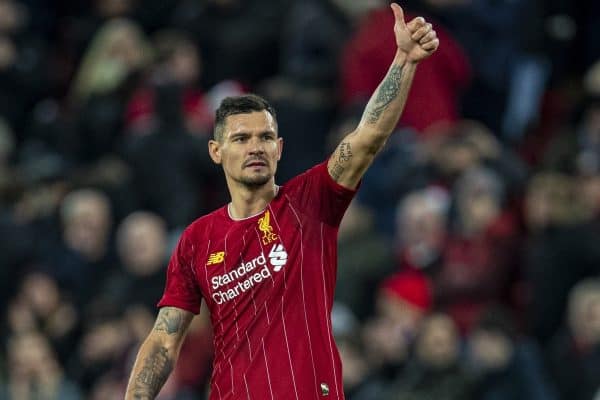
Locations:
246 201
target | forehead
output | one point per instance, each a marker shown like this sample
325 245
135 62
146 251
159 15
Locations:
257 121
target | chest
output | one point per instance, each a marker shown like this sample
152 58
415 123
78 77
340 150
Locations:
250 258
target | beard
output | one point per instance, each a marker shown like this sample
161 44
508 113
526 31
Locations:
256 181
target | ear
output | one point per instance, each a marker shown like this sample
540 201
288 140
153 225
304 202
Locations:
280 147
214 150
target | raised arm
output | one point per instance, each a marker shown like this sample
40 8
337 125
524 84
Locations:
158 354
415 41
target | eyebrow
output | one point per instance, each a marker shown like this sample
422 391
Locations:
238 134
246 134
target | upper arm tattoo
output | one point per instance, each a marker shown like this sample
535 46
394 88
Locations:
345 152
169 320
386 93
343 155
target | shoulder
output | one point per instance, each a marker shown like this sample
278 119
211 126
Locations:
318 177
319 170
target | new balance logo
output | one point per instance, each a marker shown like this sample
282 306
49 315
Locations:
278 257
216 258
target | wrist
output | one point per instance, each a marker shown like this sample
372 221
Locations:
402 58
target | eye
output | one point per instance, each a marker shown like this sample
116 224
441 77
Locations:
268 136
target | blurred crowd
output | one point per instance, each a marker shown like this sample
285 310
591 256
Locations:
469 263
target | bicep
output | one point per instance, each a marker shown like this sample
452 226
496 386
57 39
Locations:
352 157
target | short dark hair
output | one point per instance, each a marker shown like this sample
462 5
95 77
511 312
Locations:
244 104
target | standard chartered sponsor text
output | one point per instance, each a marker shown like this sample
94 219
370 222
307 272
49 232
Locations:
256 271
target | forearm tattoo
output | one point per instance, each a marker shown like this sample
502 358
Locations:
157 366
169 320
387 92
343 156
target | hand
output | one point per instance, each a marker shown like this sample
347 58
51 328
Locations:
416 38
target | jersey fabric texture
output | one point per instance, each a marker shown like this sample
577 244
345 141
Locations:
268 281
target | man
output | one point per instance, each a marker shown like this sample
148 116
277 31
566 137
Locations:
265 264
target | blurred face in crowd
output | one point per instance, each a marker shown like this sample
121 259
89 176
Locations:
421 228
490 350
124 45
454 157
249 149
142 241
388 337
584 314
385 341
437 344
103 341
30 354
20 316
178 59
12 16
86 218
405 316
478 197
185 63
41 293
548 200
478 210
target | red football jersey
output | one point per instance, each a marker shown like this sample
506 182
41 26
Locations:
268 281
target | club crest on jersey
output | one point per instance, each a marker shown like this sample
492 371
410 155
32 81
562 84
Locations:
264 224
215 258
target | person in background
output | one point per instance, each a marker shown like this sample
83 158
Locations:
403 302
434 370
503 364
577 345
35 372
142 249
84 255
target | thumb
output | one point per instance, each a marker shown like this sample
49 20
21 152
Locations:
398 13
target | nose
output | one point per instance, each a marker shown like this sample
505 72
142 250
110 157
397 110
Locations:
256 146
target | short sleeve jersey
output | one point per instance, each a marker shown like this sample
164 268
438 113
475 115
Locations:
268 281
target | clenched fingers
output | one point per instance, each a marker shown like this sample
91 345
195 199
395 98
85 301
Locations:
429 36
421 32
431 45
414 24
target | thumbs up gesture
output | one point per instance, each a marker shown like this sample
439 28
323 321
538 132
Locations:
416 39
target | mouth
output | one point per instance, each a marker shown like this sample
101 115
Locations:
255 163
